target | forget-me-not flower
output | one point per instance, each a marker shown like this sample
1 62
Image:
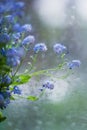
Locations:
29 39
48 85
74 63
40 47
59 48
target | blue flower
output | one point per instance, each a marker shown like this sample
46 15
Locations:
13 61
74 63
9 19
9 6
12 6
6 80
16 90
26 28
15 51
20 52
6 94
17 27
59 48
29 39
48 85
14 55
18 13
4 38
11 52
4 99
2 8
19 5
40 47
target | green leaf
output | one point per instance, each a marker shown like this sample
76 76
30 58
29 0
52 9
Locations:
2 118
0 114
12 98
5 68
32 98
2 45
21 79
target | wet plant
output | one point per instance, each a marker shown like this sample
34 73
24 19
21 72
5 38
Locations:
16 41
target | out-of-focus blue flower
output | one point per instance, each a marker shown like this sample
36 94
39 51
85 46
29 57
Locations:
15 51
59 48
12 6
6 80
17 27
11 52
14 56
40 47
6 94
48 85
2 8
9 19
4 38
19 5
26 28
13 61
29 39
9 6
20 52
74 63
16 90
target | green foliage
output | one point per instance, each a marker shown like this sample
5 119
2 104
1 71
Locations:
12 98
3 67
32 98
2 118
20 79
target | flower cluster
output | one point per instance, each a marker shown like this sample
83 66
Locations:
74 63
59 49
48 85
40 47
15 43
